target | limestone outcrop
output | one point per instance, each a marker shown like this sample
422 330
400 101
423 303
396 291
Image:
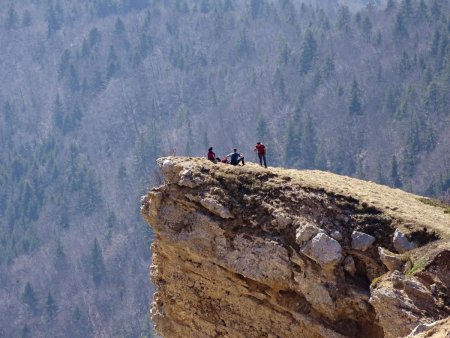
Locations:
254 252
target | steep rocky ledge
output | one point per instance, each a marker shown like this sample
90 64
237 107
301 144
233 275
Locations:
254 252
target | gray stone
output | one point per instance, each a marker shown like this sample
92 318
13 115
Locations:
305 232
169 169
187 179
166 165
361 241
390 260
402 243
323 249
215 207
337 235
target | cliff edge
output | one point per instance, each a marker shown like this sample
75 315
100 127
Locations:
254 252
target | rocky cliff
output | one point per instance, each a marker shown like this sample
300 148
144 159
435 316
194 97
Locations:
254 252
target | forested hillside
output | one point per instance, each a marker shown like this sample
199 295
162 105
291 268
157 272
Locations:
94 91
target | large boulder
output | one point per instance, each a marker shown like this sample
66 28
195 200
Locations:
215 207
361 241
305 232
323 249
402 243
390 260
402 303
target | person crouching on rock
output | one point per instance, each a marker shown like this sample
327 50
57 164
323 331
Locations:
212 156
236 157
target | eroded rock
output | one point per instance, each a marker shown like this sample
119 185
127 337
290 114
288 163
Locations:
402 303
437 329
305 232
215 207
169 169
240 252
323 249
187 179
361 241
402 243
390 260
337 235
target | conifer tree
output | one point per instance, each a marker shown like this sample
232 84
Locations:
95 264
54 21
58 112
430 138
308 52
113 64
435 10
278 83
395 176
431 100
63 67
74 82
26 19
12 18
29 297
359 171
390 4
60 258
284 52
406 8
255 7
293 139
400 30
391 100
343 18
381 179
51 308
94 37
367 28
25 332
119 28
244 45
262 131
309 143
355 106
329 67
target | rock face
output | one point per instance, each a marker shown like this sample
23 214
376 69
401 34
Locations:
251 252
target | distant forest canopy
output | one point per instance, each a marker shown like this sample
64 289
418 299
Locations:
94 91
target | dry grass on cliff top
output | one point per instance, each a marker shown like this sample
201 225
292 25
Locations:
411 211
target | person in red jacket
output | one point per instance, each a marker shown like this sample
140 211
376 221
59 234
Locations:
212 155
261 150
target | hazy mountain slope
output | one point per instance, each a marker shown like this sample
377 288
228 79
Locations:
94 91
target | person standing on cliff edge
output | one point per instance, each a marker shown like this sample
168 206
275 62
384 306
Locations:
261 150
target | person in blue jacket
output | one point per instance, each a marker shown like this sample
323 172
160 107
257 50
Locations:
236 158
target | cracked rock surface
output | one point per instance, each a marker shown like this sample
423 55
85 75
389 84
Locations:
254 252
